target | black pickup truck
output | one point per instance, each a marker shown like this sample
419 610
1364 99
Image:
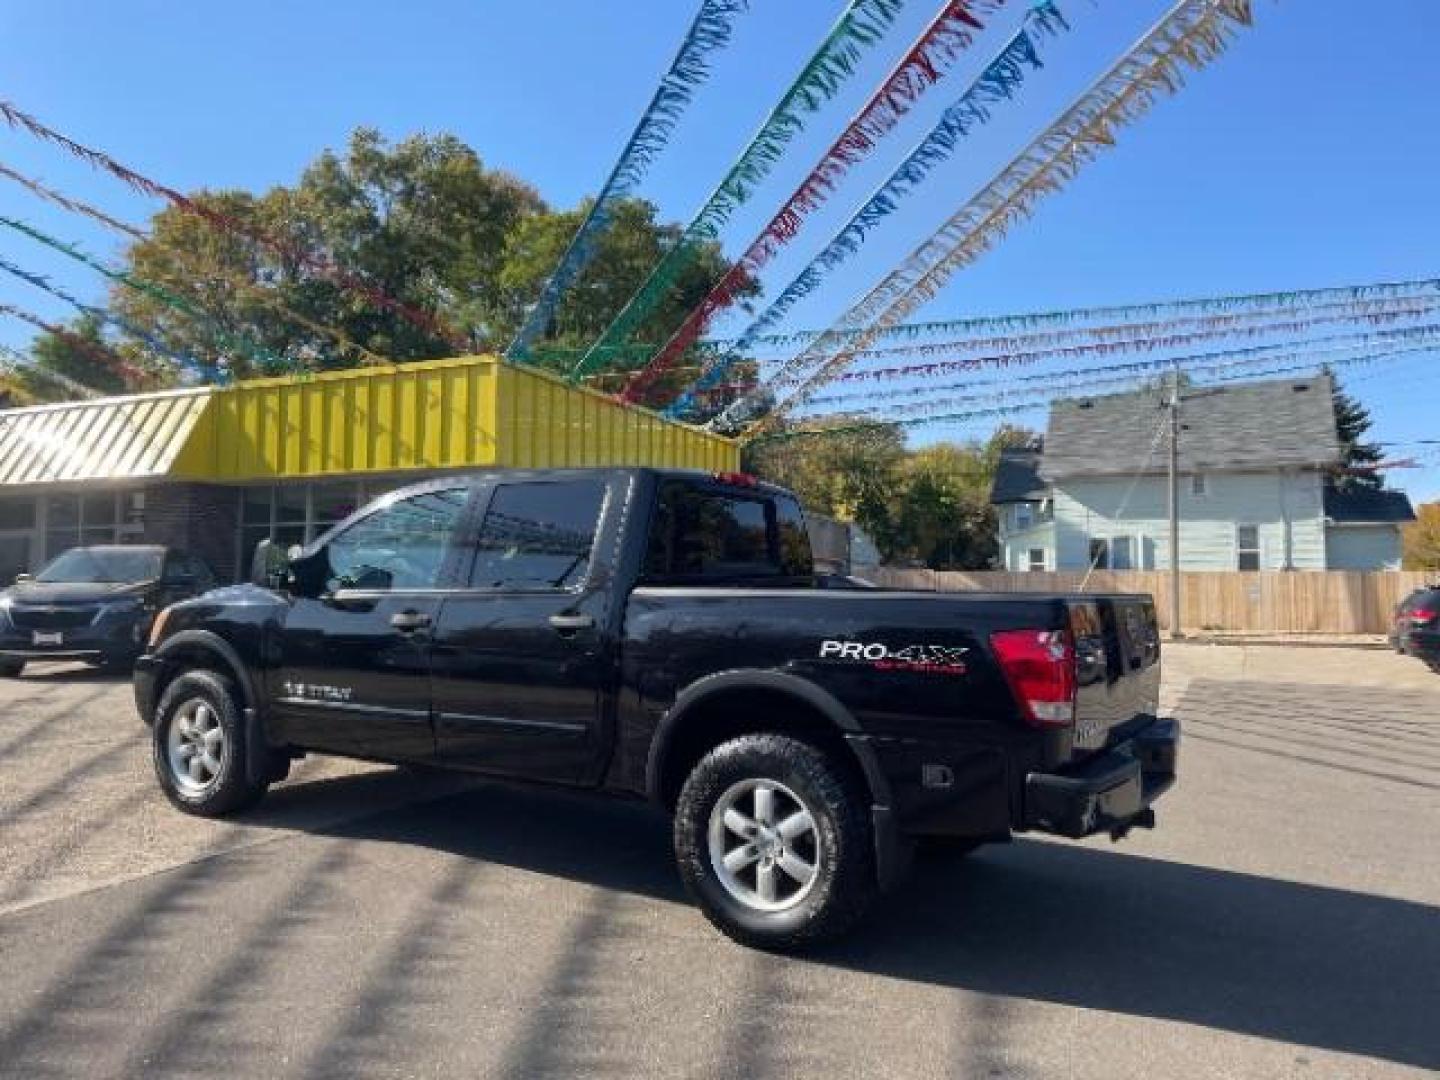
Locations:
661 634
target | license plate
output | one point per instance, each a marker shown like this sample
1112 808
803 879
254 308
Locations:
40 637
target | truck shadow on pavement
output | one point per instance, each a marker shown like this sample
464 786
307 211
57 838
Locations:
1075 925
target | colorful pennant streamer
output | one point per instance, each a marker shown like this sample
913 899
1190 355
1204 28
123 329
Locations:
1191 35
256 293
1210 364
947 35
321 265
1238 324
927 390
710 32
13 361
239 343
998 82
1111 348
96 351
1167 312
1308 364
862 25
40 281
50 195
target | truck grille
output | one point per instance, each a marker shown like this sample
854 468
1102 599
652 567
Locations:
52 618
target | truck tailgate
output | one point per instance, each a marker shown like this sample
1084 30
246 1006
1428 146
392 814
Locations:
1117 645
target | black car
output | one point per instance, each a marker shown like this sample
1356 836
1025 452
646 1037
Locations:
660 633
1416 628
94 604
1418 609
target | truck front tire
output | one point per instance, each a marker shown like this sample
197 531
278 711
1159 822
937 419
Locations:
773 840
199 746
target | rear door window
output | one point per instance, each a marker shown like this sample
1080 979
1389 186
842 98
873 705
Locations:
702 533
538 535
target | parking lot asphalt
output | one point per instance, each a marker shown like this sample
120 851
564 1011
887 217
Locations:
1283 920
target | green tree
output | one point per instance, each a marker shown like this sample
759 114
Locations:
850 475
66 358
930 504
423 221
1352 422
1422 538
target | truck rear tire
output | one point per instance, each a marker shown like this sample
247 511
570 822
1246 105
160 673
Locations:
11 669
773 840
198 746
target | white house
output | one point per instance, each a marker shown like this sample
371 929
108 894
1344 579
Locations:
1254 494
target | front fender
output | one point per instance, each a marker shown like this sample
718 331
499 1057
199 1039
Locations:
205 641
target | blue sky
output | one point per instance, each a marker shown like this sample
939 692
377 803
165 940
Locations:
1304 157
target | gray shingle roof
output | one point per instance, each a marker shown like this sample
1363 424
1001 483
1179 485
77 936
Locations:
1356 505
1017 478
1261 425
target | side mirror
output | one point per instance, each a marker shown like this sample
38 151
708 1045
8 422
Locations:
268 565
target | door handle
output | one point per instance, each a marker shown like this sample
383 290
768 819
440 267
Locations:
407 622
568 624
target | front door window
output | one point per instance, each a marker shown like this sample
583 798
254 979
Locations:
403 546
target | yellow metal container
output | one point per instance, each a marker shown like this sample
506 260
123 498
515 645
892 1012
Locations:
473 412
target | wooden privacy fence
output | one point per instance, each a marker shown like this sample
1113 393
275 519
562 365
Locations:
1268 602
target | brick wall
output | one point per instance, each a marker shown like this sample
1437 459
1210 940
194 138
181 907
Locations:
200 518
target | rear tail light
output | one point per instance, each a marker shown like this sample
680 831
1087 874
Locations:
1422 615
1039 665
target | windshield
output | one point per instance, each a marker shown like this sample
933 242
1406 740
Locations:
102 566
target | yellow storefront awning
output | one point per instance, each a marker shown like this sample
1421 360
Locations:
472 412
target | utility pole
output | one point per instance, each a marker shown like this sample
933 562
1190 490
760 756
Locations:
1174 406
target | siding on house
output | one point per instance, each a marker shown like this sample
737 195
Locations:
1363 547
1015 546
1087 508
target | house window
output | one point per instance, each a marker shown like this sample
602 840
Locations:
1199 485
1247 547
1099 554
1122 554
1024 516
1036 560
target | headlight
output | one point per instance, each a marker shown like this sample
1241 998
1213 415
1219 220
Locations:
157 628
4 610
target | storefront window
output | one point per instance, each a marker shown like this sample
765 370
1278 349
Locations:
332 503
291 504
17 513
255 507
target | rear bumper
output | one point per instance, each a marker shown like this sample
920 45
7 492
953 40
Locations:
1424 644
1112 792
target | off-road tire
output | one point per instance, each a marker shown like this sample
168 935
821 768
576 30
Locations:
845 885
230 791
11 669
